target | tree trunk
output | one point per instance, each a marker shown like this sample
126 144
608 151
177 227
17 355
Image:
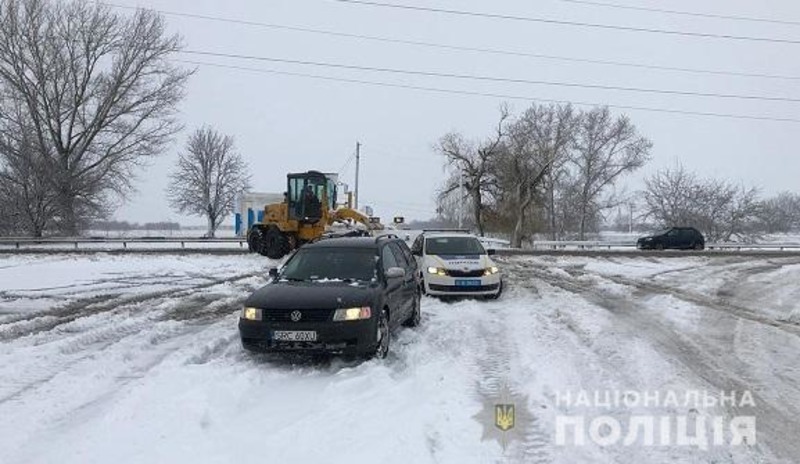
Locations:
522 206
477 207
516 236
584 207
552 200
69 217
582 233
212 227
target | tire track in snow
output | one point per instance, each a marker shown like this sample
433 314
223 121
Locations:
697 299
158 326
776 426
49 320
495 368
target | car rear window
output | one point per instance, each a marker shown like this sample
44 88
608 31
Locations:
453 246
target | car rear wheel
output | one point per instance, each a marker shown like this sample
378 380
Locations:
698 246
416 314
659 246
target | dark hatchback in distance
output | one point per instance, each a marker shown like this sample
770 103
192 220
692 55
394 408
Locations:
338 296
681 238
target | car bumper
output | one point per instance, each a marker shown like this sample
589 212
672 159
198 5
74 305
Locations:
346 337
446 285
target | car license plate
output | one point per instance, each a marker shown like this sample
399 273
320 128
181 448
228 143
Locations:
295 335
467 282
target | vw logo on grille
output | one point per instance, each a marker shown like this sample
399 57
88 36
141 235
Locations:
296 316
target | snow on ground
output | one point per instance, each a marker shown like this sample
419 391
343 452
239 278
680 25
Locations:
137 359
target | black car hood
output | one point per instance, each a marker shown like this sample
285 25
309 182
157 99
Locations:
312 295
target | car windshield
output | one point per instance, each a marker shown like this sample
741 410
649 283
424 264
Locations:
453 246
315 264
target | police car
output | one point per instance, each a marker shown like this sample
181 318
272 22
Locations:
456 263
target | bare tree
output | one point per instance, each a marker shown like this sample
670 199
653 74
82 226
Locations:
781 213
99 90
606 148
537 141
720 209
450 207
549 169
27 200
670 196
208 177
472 161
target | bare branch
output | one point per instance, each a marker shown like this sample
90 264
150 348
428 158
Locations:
208 177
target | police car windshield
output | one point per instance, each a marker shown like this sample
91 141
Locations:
453 246
310 264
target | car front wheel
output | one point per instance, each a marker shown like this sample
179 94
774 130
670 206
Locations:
499 292
383 336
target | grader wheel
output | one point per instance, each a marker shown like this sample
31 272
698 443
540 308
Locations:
275 244
269 241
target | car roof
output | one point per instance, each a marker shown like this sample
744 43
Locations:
448 235
348 242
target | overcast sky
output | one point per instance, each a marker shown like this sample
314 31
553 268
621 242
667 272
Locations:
290 123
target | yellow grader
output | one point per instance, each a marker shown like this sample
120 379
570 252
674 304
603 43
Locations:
308 209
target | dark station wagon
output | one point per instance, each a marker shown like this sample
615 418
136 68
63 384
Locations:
339 296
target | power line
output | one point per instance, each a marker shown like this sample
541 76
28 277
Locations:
683 13
346 164
493 78
494 95
558 22
485 50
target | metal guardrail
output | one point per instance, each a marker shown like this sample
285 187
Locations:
228 243
28 242
588 245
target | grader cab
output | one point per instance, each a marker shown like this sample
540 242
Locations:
309 207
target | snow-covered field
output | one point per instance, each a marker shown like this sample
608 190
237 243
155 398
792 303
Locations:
133 359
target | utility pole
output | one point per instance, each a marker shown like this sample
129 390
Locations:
358 163
460 198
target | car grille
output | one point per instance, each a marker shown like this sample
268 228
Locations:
457 273
307 315
464 289
271 345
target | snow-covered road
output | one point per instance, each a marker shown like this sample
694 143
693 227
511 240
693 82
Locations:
136 359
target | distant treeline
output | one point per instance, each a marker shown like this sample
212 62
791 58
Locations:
117 226
125 225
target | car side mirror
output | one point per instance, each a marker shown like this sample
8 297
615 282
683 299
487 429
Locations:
273 272
395 272
491 252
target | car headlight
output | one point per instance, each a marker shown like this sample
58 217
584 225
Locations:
491 270
352 314
437 270
251 314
